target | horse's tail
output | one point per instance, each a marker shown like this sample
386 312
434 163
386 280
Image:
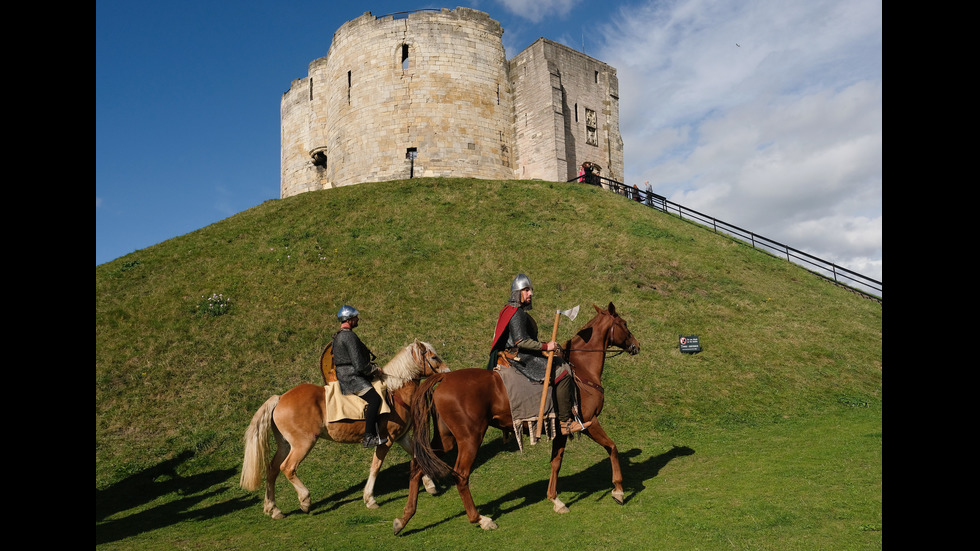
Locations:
422 411
257 445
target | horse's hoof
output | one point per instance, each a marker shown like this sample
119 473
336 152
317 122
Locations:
487 523
276 514
371 503
559 506
398 525
618 496
430 486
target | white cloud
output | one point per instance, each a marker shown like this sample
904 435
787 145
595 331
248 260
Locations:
764 115
535 11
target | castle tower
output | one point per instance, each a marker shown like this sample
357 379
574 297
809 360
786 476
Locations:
432 94
566 107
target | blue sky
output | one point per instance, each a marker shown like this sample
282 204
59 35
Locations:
765 114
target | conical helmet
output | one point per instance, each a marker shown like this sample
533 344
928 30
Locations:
520 282
347 312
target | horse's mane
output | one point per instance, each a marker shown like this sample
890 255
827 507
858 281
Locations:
585 333
403 367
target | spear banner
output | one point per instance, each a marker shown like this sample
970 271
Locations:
571 314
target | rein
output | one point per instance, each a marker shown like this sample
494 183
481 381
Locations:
610 353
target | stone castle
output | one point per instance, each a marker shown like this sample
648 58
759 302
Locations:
431 93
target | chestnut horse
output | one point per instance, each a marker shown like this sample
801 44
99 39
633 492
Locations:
466 402
297 419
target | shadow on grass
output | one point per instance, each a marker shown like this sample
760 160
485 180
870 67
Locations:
181 496
159 481
594 481
392 482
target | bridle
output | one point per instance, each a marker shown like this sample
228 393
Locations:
425 358
607 351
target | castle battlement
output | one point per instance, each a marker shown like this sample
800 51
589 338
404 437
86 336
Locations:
432 94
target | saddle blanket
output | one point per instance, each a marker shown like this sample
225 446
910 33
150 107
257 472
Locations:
340 407
525 399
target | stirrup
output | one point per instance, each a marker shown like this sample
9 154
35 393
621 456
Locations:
573 425
372 440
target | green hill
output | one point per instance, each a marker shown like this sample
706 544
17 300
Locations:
194 333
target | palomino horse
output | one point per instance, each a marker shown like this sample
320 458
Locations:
466 402
298 419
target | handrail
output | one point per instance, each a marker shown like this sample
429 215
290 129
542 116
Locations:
405 14
840 275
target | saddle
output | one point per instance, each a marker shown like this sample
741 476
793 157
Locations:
525 399
350 407
523 386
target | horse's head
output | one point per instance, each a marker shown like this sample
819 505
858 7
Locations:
619 333
427 359
413 362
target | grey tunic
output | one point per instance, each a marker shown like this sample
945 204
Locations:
353 362
522 332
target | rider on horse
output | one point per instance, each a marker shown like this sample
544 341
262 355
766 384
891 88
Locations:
517 329
355 369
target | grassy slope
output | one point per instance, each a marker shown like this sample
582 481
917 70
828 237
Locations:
785 355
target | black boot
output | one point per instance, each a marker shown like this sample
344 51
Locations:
371 438
563 396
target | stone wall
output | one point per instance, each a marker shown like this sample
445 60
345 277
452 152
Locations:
432 94
567 112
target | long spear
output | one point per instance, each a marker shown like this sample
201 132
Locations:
570 314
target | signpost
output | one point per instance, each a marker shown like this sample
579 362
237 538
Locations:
690 344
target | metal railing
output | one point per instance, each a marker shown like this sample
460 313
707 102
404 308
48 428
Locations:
405 14
842 276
